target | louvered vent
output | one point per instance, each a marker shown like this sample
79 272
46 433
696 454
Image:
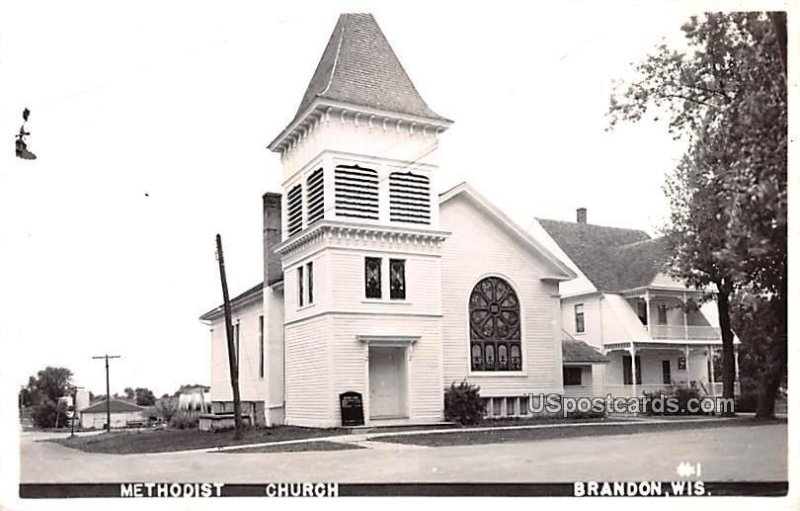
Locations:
295 209
315 202
356 192
409 198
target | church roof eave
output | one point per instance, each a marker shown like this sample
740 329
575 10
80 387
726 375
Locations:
320 106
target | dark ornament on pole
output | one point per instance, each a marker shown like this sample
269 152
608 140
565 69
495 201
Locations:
22 147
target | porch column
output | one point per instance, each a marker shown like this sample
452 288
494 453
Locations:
711 370
647 309
632 350
685 318
688 372
735 365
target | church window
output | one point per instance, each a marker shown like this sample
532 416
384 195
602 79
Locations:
300 286
494 326
261 346
397 279
356 192
310 272
372 277
409 198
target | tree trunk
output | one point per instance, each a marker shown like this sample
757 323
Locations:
728 360
773 377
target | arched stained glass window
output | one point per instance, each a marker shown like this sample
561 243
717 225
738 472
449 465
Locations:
494 326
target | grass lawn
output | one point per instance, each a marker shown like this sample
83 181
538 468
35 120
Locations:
318 445
165 440
467 437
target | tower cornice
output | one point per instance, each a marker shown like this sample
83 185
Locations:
347 231
328 111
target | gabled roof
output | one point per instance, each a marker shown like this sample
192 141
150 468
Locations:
117 405
251 294
574 351
359 67
612 258
562 271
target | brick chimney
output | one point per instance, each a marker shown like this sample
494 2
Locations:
273 271
581 215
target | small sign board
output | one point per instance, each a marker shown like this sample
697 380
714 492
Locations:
352 407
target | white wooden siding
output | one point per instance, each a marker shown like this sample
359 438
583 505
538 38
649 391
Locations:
592 333
478 248
309 397
251 386
274 339
350 361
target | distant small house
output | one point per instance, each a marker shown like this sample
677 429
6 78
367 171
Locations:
195 400
123 413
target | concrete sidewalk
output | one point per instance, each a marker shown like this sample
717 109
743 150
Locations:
368 440
727 453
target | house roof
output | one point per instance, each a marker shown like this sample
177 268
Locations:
612 258
240 299
575 351
562 271
359 67
117 405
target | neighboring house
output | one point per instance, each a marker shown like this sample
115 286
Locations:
375 284
123 413
623 302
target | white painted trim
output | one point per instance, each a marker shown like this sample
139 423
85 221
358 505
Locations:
510 225
388 340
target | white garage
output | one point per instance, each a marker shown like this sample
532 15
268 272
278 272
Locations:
122 413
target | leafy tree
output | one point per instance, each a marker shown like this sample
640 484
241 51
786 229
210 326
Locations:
129 393
167 407
727 98
144 396
43 392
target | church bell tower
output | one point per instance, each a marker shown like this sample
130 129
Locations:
360 247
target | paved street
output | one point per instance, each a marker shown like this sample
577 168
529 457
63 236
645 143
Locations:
756 453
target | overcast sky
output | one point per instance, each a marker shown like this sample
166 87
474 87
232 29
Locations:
178 100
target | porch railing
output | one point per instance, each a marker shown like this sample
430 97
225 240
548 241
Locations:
687 333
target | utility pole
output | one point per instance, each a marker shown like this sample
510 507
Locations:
232 364
108 390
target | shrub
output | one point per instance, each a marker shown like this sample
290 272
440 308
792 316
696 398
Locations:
183 421
463 403
591 414
681 397
747 401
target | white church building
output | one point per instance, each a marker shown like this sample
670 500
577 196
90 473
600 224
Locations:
374 283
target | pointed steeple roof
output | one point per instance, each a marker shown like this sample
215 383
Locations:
359 67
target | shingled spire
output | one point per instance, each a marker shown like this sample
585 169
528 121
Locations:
359 67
